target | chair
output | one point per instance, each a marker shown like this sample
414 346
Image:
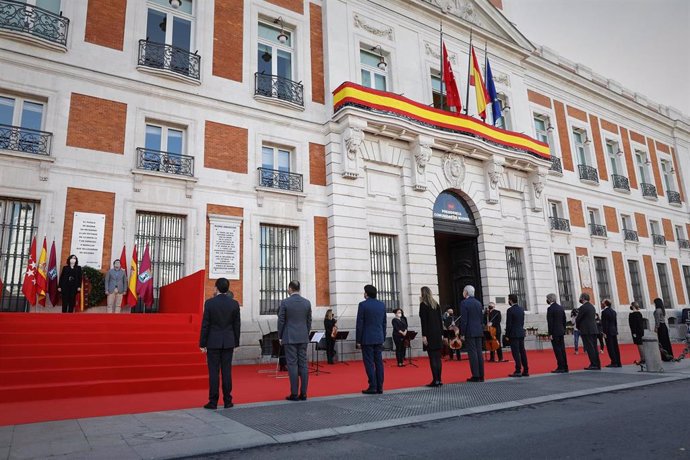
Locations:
388 347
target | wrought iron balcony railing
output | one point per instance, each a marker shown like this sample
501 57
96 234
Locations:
673 197
659 240
683 243
648 190
25 140
560 224
171 58
597 230
279 88
630 235
165 162
588 173
556 165
280 179
620 182
38 22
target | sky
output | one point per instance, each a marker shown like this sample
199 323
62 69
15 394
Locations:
642 44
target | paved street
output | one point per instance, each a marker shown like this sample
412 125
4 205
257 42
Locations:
631 424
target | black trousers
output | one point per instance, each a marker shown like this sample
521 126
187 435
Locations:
499 350
219 360
400 351
590 344
614 351
558 344
68 301
517 348
330 348
600 337
435 364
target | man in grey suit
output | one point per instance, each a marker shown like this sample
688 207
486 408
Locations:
587 325
294 324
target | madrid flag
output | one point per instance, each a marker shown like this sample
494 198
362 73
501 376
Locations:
452 94
29 285
52 276
145 279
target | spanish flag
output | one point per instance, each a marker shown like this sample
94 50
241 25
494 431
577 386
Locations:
80 301
477 81
133 275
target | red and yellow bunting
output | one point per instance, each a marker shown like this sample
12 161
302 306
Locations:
351 94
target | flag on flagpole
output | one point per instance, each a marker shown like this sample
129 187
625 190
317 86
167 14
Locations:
41 275
52 276
493 96
79 301
132 288
29 285
123 264
479 88
1 288
145 279
452 94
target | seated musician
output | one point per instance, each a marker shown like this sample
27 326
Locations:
492 318
399 333
451 331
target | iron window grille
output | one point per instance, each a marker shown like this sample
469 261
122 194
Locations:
630 235
282 180
673 197
277 87
683 243
384 269
169 163
516 275
32 20
659 240
601 270
556 165
171 58
279 264
634 270
648 190
663 284
565 281
560 224
18 224
165 235
25 140
588 173
620 182
597 230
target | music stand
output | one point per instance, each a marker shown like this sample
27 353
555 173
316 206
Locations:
410 337
340 337
316 338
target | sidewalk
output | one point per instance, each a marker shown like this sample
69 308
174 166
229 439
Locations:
172 434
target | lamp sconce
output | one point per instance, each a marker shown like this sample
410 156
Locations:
549 128
588 141
282 36
175 4
382 61
619 153
647 162
672 170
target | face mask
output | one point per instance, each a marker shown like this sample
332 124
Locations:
398 315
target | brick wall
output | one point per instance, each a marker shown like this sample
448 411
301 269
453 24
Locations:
583 252
96 124
577 216
235 285
679 176
677 282
662 147
651 280
316 45
323 291
641 224
497 3
611 219
293 5
608 126
92 201
632 176
537 98
619 272
598 149
228 39
668 230
655 167
317 164
636 137
577 113
105 23
225 147
563 135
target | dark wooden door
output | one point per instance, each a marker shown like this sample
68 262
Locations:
465 268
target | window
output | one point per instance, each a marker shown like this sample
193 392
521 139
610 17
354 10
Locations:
593 216
20 119
654 227
612 151
516 275
686 275
276 166
51 5
634 270
565 281
165 235
542 128
627 222
384 269
668 175
163 147
555 209
278 265
601 268
595 226
436 92
680 232
580 147
642 164
663 284
169 38
372 75
18 224
505 121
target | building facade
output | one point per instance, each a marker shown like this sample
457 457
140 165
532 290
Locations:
305 124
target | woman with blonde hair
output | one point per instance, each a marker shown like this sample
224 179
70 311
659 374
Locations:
432 333
329 324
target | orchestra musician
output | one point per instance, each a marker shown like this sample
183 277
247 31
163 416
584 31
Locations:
399 333
329 324
452 331
493 319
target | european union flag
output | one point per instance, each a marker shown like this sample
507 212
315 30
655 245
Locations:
493 97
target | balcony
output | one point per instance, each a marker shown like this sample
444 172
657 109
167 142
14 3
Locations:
170 61
683 243
34 24
588 173
598 230
620 182
630 235
659 240
560 224
25 140
674 198
556 165
280 180
648 190
165 162
279 89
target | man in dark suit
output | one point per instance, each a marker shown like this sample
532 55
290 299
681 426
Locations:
555 319
472 332
294 324
493 319
587 325
220 334
515 331
370 334
609 324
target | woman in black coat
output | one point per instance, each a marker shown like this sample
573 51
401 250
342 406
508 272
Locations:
636 322
399 333
328 324
661 328
432 333
70 283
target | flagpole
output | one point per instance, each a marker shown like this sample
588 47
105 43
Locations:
441 63
469 69
486 84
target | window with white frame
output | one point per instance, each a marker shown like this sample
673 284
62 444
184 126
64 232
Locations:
594 216
654 227
636 282
275 64
51 5
580 146
666 172
613 151
680 232
373 69
627 222
595 226
437 94
170 38
383 251
20 121
505 122
542 128
278 265
564 280
163 148
555 209
664 285
516 275
276 168
642 166
601 269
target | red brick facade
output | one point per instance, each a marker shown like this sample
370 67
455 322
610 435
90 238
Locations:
598 149
621 283
105 23
611 219
323 290
677 282
577 216
563 135
228 39
632 176
316 45
96 124
293 5
641 225
651 279
539 99
317 164
225 147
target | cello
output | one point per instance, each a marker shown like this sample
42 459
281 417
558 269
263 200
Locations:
455 342
490 340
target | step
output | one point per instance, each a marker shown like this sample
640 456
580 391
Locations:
9 320
49 351
88 337
97 360
32 328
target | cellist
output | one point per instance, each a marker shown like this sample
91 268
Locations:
451 331
493 319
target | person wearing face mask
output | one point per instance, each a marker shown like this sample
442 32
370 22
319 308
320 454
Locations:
399 332
114 287
432 333
70 283
493 319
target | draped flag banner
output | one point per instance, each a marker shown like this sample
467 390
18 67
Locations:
479 88
52 276
452 94
132 288
493 95
79 300
145 279
29 285
2 289
123 264
353 95
41 275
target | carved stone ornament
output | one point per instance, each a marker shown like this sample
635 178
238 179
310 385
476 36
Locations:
460 8
501 78
494 171
377 30
431 51
538 181
353 137
421 150
454 169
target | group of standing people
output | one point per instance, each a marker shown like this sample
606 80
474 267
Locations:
70 282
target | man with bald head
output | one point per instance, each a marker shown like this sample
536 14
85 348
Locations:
472 332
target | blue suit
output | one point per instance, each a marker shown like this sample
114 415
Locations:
515 331
370 334
471 328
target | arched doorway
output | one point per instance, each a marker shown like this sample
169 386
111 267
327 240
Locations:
457 254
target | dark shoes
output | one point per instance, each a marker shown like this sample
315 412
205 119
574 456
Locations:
434 384
525 374
369 391
211 406
401 365
302 397
560 371
592 368
228 406
515 374
613 365
292 398
475 379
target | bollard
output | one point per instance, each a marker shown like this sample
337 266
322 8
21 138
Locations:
652 356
